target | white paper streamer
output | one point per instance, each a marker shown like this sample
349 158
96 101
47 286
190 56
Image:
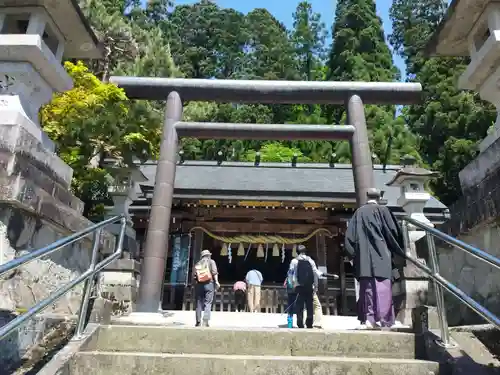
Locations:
248 251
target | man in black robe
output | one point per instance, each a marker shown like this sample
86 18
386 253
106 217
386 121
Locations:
373 237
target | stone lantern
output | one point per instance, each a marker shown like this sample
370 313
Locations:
411 290
34 37
411 181
120 280
123 182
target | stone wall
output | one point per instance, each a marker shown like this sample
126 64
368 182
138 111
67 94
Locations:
473 276
474 220
20 233
36 339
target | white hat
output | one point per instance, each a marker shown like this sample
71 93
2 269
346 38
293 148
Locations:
205 253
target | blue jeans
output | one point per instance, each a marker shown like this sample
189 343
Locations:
204 298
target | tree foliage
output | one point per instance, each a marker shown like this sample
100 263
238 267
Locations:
276 152
359 53
90 121
308 38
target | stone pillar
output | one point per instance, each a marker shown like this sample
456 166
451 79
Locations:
120 281
321 242
155 255
197 245
411 290
123 189
362 167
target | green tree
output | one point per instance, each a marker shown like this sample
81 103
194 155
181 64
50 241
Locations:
194 33
413 21
450 122
270 53
359 53
308 37
120 45
276 152
90 121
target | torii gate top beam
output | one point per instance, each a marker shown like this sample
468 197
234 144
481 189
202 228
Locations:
269 92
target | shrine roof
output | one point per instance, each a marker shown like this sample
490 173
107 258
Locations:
450 37
274 181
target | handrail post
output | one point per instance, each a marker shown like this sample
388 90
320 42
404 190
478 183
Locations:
89 283
441 310
406 237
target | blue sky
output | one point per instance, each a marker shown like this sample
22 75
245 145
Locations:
283 10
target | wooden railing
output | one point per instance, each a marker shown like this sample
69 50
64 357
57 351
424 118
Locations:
273 298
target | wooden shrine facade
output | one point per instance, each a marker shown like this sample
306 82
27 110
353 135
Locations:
251 216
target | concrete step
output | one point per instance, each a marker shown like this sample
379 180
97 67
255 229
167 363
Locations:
127 363
249 341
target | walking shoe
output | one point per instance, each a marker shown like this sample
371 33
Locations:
197 324
366 326
205 323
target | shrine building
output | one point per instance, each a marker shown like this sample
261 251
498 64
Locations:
253 215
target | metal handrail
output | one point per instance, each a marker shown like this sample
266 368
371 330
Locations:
440 282
88 276
471 250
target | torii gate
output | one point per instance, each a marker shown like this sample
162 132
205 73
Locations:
351 94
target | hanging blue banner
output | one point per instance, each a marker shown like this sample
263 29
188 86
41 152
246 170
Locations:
180 259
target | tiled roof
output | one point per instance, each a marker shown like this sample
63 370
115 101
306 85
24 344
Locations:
274 181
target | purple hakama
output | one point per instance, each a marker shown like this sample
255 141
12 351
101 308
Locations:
375 301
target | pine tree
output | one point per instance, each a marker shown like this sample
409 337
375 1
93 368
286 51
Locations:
308 38
450 122
359 53
271 53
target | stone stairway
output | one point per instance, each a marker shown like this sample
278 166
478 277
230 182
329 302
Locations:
154 350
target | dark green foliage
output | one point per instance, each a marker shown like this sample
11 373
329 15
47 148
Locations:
359 53
308 37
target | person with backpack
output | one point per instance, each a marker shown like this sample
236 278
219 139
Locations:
206 278
304 274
